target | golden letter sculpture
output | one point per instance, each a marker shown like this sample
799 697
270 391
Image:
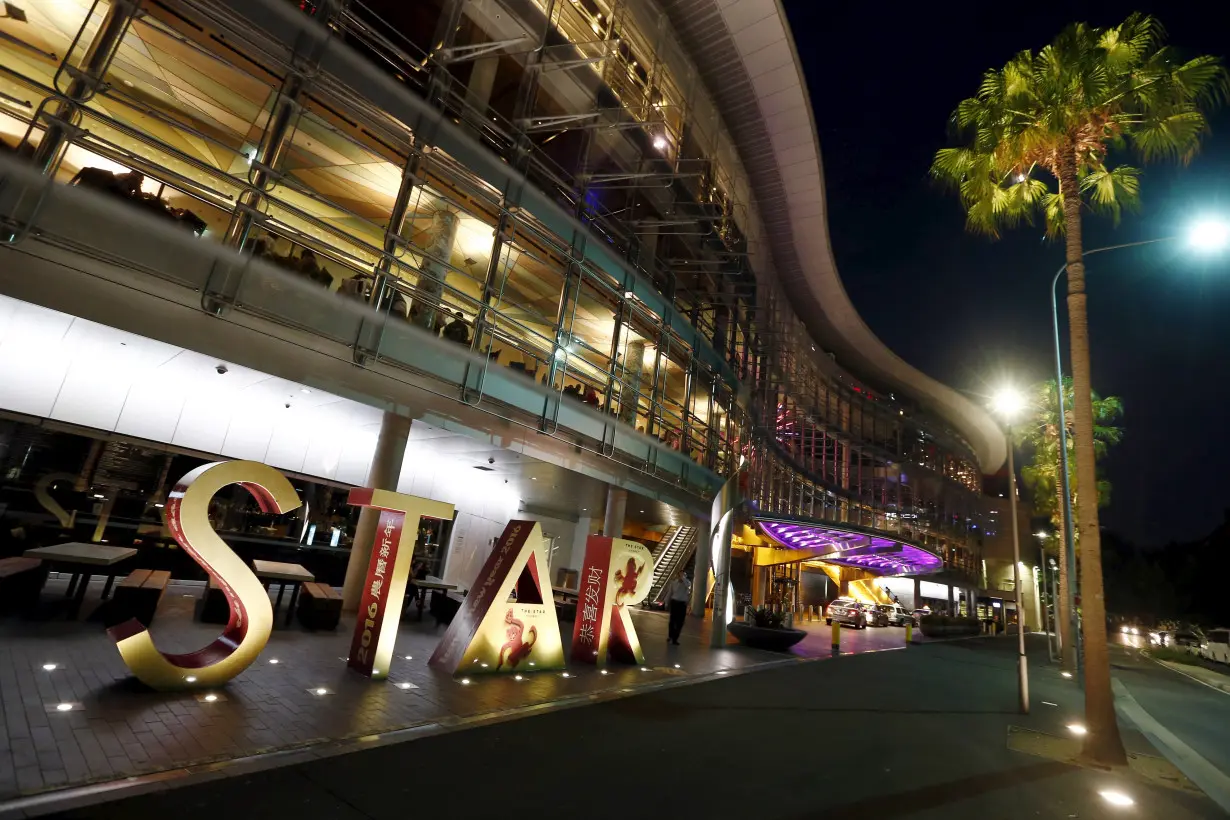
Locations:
375 632
617 573
187 515
507 623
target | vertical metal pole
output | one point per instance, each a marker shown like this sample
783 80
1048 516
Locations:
1048 616
1022 661
1064 480
101 50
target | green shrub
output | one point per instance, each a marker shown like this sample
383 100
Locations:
948 625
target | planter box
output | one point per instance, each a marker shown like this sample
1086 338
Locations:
760 637
941 626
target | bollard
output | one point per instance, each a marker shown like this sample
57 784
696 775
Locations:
836 638
909 633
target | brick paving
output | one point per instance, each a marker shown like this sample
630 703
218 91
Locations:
117 728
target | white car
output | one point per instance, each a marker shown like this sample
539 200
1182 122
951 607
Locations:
1217 646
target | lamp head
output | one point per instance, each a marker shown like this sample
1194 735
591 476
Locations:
1209 235
1008 403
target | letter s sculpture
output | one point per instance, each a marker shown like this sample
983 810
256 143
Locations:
187 515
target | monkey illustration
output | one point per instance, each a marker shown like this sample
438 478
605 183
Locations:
515 649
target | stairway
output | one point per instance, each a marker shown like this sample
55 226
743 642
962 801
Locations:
675 551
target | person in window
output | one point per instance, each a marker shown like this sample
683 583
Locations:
310 268
457 330
590 397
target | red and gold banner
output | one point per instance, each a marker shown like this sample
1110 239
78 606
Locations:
251 621
617 573
507 622
388 570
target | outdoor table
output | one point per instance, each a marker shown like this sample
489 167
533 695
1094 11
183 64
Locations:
275 572
83 561
425 585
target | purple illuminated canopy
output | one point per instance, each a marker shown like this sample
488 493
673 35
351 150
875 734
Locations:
874 553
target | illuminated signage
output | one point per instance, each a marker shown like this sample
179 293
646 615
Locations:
617 573
251 620
506 623
371 650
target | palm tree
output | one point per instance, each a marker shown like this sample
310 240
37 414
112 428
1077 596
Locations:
1057 114
1040 435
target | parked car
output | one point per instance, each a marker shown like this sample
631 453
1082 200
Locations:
847 611
876 616
919 614
1189 638
895 614
1217 647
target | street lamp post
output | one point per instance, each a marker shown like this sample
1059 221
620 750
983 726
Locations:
1205 235
1048 617
1009 402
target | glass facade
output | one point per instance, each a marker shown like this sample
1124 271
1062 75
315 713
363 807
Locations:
650 301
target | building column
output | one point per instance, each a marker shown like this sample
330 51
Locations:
86 77
951 608
616 506
700 570
382 475
629 393
435 267
918 593
478 91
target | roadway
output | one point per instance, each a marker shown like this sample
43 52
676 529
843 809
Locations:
916 733
1194 712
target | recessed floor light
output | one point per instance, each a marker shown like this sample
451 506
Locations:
190 679
409 658
49 667
603 672
1077 729
466 681
677 666
406 685
64 707
273 660
1116 798
566 675
644 668
320 690
1066 674
210 698
518 677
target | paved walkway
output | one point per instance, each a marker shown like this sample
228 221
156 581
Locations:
117 729
930 732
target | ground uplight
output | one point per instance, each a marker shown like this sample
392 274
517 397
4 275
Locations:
1116 798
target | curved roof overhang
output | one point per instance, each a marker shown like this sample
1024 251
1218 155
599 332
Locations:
746 55
849 546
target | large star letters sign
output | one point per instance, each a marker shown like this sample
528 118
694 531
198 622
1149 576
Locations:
506 623
617 574
251 621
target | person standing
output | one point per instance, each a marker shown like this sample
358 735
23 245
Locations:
678 593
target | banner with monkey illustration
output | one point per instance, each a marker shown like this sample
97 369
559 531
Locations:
617 574
507 623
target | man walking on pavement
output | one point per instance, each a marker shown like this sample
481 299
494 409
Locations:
678 593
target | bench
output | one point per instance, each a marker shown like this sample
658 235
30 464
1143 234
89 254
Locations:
21 581
320 606
444 606
215 609
137 596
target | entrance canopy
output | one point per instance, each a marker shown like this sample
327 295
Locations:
852 547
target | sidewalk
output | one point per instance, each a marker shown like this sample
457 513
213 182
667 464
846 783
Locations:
930 732
117 729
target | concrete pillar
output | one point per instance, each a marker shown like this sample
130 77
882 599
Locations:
576 552
700 570
951 608
918 602
439 248
383 475
478 90
634 366
616 506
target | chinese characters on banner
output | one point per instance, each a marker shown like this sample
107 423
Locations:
506 623
251 621
617 574
371 649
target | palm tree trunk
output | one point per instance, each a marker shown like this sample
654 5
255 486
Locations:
1102 743
1067 640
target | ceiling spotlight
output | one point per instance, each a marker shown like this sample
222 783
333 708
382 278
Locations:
659 142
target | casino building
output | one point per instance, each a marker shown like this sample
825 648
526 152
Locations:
555 259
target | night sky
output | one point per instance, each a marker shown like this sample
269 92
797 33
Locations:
973 312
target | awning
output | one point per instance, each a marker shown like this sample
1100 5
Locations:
852 547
